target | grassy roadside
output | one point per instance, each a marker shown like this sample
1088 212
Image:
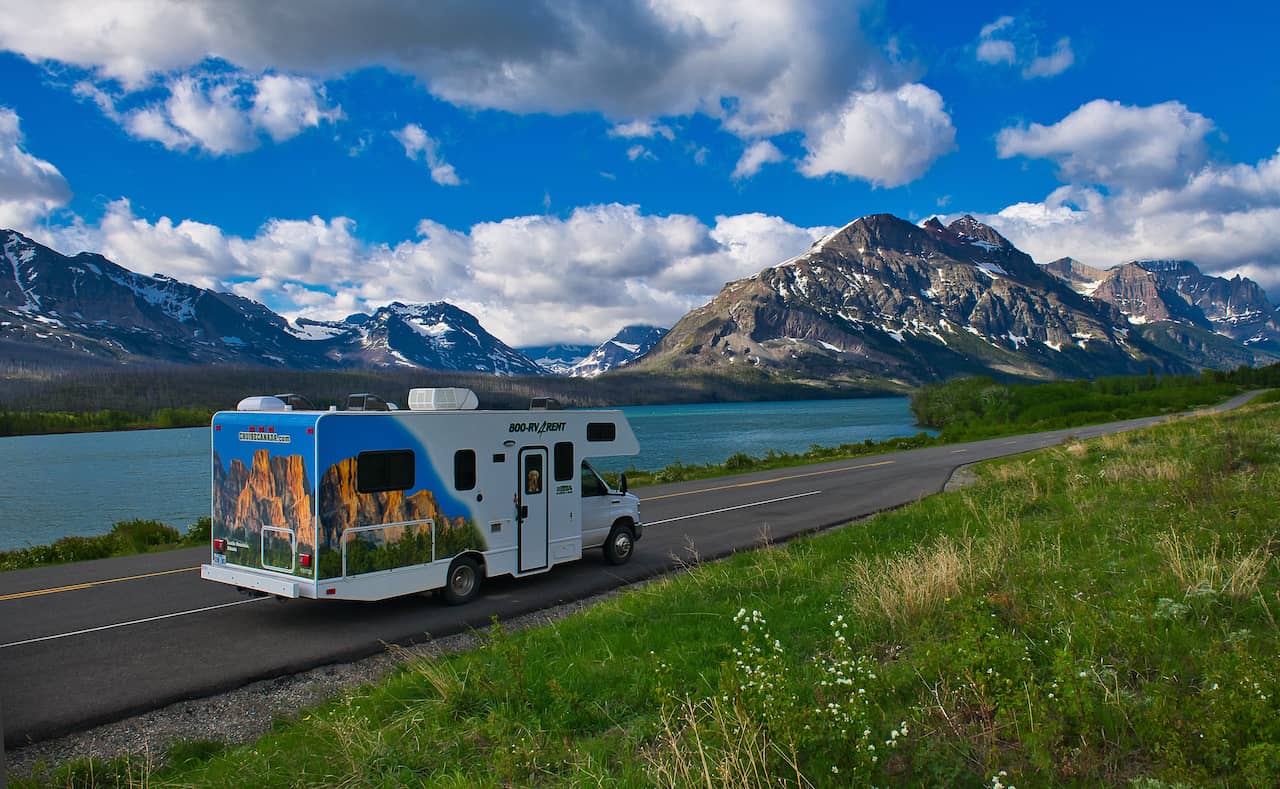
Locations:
124 539
1099 613
971 409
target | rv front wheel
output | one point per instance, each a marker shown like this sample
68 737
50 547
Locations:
463 582
620 545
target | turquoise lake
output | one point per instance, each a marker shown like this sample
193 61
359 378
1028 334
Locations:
83 483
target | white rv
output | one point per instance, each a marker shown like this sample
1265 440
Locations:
371 504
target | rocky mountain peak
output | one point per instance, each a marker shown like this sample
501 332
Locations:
629 344
970 230
1175 267
1141 296
1236 307
1082 277
875 232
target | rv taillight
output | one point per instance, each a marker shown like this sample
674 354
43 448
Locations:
304 559
220 545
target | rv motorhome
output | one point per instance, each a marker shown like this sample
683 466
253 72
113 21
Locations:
371 504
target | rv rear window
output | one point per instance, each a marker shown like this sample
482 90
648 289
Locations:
384 470
565 467
601 431
464 469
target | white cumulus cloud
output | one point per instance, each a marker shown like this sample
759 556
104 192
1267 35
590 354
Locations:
285 105
997 51
638 151
1013 42
530 279
646 129
208 116
756 155
418 145
218 113
30 187
1051 65
1116 145
760 69
1139 184
888 137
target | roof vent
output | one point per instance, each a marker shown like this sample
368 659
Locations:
261 403
444 399
544 404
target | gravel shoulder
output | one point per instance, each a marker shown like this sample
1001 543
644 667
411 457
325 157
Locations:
247 713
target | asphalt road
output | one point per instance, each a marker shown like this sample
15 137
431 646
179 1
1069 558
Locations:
93 642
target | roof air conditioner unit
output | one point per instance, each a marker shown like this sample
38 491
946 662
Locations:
261 403
444 399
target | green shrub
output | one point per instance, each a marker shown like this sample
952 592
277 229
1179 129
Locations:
199 533
126 537
139 536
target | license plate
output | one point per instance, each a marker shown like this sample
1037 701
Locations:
219 559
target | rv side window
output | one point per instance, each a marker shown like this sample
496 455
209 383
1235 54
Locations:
592 485
464 469
384 470
601 431
564 461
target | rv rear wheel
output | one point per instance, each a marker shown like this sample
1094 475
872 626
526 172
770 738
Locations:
463 582
620 545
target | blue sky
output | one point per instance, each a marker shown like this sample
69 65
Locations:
563 168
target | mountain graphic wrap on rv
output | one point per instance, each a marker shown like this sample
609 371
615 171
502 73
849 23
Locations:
405 514
259 488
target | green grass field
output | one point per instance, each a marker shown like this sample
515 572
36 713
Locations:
1100 613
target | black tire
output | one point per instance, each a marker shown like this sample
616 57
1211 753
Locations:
621 544
462 584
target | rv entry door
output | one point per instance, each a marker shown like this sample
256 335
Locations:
532 507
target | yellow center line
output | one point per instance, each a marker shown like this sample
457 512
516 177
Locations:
91 584
771 480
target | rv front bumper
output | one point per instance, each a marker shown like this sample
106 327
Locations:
247 579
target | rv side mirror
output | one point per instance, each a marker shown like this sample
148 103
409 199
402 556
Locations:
622 482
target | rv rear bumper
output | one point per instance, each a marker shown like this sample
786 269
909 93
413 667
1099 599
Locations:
247 579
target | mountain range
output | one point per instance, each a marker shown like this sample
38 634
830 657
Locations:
879 301
86 306
886 299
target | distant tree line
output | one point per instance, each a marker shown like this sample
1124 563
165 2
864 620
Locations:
979 407
118 398
26 423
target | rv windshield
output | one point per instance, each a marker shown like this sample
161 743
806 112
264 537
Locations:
592 485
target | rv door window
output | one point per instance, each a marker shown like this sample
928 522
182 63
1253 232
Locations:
533 474
384 470
592 485
564 461
601 431
464 469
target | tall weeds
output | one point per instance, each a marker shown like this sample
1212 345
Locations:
1236 575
